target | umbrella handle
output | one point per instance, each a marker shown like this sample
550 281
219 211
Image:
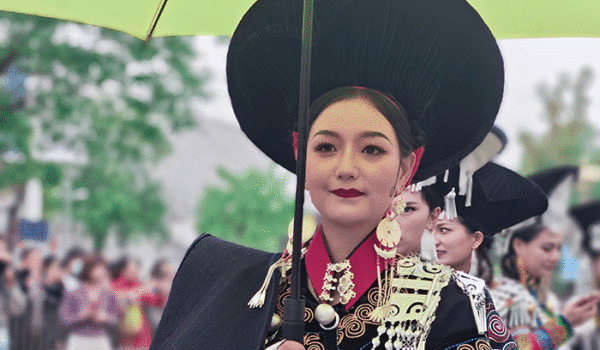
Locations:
293 320
293 315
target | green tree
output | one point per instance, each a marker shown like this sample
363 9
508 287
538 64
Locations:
253 210
109 97
570 138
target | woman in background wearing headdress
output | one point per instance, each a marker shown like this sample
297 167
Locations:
587 215
469 252
498 198
386 80
521 294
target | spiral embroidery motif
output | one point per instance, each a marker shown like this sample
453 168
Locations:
352 327
311 342
510 346
465 347
482 344
497 329
308 315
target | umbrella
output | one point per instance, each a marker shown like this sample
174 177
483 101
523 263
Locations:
146 18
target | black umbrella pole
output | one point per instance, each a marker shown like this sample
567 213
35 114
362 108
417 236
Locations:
293 314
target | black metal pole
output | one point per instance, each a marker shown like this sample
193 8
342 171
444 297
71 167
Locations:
293 315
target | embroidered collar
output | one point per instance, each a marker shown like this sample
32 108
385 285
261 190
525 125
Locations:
363 262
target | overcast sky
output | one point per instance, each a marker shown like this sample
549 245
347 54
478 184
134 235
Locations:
528 62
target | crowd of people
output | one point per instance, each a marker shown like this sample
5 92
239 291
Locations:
78 301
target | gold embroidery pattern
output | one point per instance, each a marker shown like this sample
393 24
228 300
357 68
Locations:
309 314
482 344
311 342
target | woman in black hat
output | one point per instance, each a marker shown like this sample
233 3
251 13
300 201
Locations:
529 309
497 198
587 215
387 78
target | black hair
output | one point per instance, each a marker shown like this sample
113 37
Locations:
25 253
89 264
509 260
396 115
72 254
48 261
117 268
156 271
432 198
485 267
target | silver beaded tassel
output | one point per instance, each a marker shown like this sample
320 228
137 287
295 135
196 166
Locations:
402 335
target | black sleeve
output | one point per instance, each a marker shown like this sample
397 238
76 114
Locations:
454 322
208 304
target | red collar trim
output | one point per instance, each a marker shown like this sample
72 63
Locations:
363 264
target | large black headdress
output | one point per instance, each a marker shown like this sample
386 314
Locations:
588 217
501 198
436 57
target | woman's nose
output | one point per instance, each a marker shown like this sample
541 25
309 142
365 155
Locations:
347 168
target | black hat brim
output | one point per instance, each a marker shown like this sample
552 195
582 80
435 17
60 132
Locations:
436 57
502 198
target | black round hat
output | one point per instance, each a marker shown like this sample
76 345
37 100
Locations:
501 198
436 57
588 217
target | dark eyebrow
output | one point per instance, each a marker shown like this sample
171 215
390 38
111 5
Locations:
364 134
374 134
326 133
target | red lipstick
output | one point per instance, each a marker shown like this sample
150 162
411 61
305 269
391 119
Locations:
350 193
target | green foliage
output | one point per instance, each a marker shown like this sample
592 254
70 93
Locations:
103 94
570 139
253 210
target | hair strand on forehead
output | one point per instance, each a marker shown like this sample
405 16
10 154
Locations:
395 114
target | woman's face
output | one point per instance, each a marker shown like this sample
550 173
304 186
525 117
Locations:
541 255
454 244
415 219
353 166
99 275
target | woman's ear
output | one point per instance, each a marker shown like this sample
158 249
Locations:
478 239
518 245
406 167
433 218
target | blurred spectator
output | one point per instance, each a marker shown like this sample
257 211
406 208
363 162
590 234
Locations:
133 296
72 264
161 278
90 311
26 327
12 299
53 287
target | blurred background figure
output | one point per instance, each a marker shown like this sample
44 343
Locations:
522 294
587 215
6 284
26 328
72 264
133 297
161 278
53 275
91 311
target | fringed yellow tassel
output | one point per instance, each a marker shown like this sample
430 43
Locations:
384 307
258 300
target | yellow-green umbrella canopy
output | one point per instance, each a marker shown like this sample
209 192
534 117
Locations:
506 18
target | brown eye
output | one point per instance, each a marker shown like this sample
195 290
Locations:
373 150
325 147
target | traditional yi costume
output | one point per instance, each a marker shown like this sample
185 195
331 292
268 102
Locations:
530 311
496 198
440 61
587 215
